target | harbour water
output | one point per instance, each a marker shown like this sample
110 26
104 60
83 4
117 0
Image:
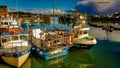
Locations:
105 54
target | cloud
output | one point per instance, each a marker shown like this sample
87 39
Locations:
50 11
70 10
100 6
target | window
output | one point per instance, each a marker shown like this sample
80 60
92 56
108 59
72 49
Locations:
6 23
2 23
6 39
85 32
14 38
80 32
23 37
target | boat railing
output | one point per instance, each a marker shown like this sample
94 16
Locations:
14 47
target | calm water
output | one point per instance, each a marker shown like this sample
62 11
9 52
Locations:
106 54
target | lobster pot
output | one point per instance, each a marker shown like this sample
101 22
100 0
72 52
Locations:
26 24
54 20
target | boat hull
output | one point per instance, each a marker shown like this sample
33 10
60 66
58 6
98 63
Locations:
81 46
84 44
16 60
47 56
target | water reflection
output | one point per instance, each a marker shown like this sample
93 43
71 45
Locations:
80 59
102 34
106 52
4 65
75 59
38 62
27 64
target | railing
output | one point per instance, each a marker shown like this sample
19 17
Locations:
14 47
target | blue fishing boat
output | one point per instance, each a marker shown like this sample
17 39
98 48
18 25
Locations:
14 44
47 45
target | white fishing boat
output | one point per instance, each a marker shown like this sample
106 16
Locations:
14 46
82 39
8 22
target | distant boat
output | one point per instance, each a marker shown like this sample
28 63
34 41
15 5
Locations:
48 45
107 28
14 46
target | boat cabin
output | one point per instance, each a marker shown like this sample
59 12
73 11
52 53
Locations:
4 24
10 41
80 32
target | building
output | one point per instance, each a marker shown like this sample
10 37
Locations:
3 10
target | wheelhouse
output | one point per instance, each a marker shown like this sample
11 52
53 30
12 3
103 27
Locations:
11 41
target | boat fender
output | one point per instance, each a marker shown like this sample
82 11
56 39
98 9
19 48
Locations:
69 40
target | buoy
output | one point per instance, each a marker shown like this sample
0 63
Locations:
69 40
15 31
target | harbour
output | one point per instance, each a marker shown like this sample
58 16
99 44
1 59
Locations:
100 55
58 38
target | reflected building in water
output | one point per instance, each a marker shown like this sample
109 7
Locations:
102 34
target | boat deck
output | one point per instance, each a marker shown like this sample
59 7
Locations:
53 47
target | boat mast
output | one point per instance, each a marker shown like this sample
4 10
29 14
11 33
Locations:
17 7
17 15
53 12
7 3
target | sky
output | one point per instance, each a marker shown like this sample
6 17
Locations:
29 5
84 6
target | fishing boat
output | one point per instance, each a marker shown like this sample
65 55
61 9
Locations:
82 40
8 22
47 45
14 44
